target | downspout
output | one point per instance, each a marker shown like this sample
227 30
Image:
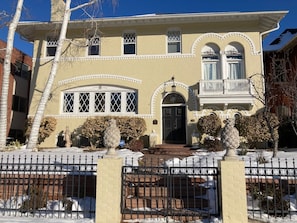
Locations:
261 51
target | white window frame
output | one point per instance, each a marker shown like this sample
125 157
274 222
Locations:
234 55
174 41
211 55
125 42
92 90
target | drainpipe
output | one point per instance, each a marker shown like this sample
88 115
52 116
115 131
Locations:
261 51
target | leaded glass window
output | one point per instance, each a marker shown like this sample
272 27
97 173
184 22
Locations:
129 43
115 102
99 102
99 99
51 46
84 102
174 41
131 102
68 104
94 45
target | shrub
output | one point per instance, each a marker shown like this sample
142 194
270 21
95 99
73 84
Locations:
93 128
47 127
210 125
257 128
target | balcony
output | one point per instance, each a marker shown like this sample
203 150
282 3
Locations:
225 93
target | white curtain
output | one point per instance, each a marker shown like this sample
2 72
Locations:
210 71
234 71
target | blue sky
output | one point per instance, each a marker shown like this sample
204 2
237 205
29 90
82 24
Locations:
39 10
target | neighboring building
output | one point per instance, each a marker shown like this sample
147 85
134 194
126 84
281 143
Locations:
169 69
19 84
280 74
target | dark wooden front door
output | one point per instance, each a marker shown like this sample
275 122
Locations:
174 128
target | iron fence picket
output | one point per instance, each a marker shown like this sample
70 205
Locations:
183 198
19 175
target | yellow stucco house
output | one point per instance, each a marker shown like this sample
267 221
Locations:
170 69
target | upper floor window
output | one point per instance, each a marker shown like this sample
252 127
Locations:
234 61
21 69
51 46
94 45
211 62
129 40
174 41
99 99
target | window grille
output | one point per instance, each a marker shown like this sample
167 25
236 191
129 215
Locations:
51 46
129 43
99 102
84 102
131 102
174 41
94 46
68 105
107 99
115 102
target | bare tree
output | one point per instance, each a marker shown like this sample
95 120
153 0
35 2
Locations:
6 72
32 143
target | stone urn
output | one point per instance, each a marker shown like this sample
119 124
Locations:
230 140
112 138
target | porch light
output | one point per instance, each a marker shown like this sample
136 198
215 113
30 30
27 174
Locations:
173 86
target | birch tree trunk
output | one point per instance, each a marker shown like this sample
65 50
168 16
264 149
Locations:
6 73
33 138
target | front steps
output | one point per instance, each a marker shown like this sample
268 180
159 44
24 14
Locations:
154 196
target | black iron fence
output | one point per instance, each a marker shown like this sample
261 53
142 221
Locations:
48 186
271 189
178 193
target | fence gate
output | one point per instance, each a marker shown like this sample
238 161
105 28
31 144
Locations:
172 193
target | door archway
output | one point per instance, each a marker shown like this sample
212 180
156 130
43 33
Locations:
174 119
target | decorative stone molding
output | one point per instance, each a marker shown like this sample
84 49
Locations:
159 90
99 76
226 36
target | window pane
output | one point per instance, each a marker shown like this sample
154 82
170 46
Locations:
68 103
51 47
115 102
84 102
129 43
235 71
94 43
174 42
131 102
173 47
99 102
210 71
129 49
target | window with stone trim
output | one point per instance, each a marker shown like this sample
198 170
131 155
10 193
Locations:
99 99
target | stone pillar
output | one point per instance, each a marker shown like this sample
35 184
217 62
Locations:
108 190
233 191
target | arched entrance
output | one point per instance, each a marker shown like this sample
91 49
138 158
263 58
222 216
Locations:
174 119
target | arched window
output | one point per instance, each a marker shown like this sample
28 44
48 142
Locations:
234 56
174 98
211 62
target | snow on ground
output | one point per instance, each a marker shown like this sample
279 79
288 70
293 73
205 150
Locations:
199 158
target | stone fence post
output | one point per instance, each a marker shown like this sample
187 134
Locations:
108 190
